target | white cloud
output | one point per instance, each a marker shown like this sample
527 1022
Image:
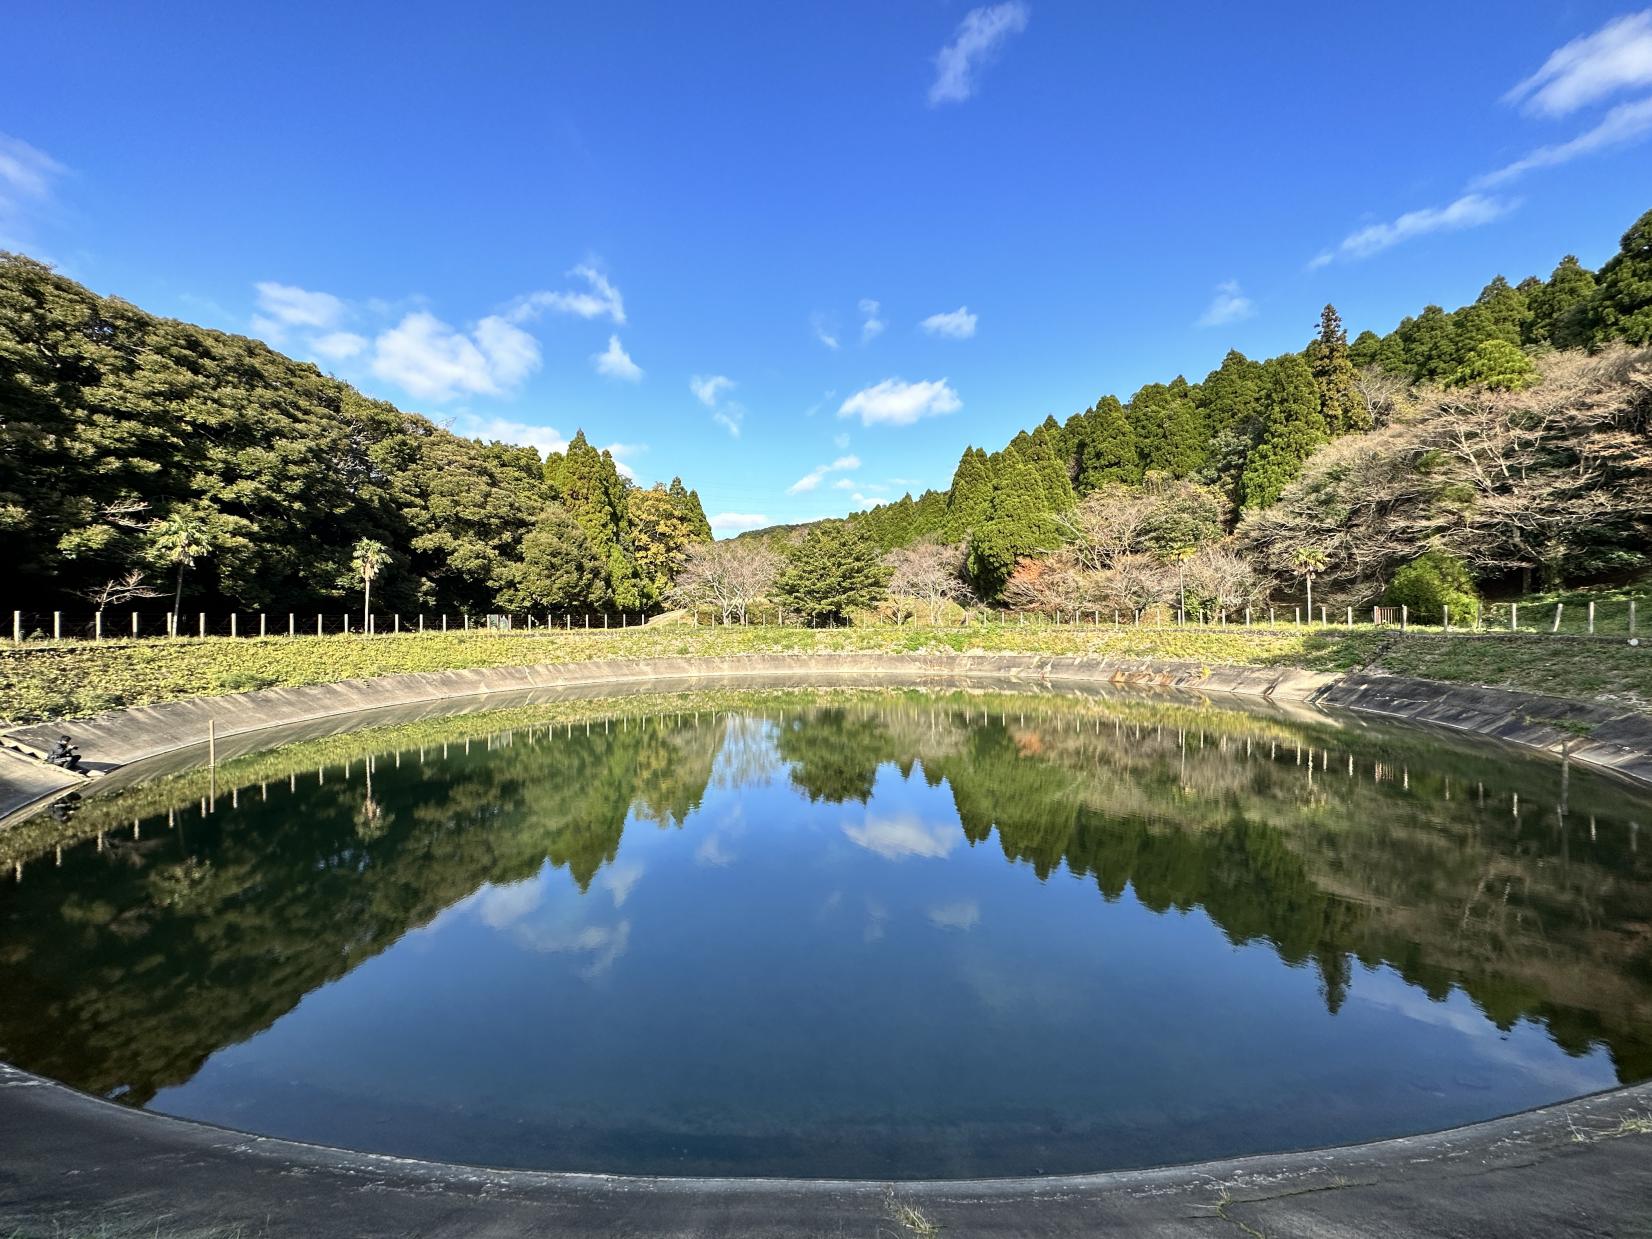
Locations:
26 177
25 172
813 478
823 330
978 37
873 325
737 522
959 914
598 299
432 361
616 363
1626 123
730 417
956 324
1469 211
1616 57
713 851
899 403
547 439
708 387
1229 305
845 484
903 835
338 345
840 440
291 306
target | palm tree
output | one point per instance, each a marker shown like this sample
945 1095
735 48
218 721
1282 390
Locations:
368 559
1308 561
1181 555
180 540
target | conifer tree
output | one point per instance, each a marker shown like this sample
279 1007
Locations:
969 502
1105 447
1292 430
835 569
1621 307
1340 404
1554 305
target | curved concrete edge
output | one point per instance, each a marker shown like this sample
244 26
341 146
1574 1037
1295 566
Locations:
120 738
1581 1168
1611 738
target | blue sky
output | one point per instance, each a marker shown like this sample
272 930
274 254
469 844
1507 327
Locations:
756 244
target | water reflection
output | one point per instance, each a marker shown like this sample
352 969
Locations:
808 958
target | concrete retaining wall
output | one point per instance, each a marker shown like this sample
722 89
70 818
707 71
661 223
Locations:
1609 737
1617 739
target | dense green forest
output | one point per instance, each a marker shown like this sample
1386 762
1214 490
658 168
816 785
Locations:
134 447
1443 398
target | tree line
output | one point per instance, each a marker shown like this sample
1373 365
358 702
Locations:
1223 461
143 457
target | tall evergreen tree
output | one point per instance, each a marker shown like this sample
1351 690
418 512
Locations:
969 502
1293 429
836 569
1340 404
1554 305
1105 447
1169 431
1621 307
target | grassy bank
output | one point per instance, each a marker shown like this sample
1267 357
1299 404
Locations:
48 681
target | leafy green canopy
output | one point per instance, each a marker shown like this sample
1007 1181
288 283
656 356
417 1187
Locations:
116 425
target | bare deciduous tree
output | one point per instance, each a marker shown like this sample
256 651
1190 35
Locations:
931 573
730 575
113 593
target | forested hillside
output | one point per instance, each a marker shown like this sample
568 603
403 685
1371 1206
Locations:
1510 435
133 447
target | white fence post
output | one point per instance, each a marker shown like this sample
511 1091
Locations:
97 626
202 623
1558 608
57 625
233 631
134 624
1591 615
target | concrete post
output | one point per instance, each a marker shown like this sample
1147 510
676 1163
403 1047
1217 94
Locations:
97 626
1591 615
17 627
318 625
1558 608
1631 617
1514 617
57 625
1403 619
1446 613
202 624
1350 617
232 628
263 625
134 625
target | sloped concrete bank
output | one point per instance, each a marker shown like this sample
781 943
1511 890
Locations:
73 1164
1611 738
122 739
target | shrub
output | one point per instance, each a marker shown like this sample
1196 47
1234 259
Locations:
1429 584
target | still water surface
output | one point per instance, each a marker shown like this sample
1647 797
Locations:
883 935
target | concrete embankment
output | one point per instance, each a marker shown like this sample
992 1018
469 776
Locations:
119 741
126 745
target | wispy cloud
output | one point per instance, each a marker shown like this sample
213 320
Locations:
1229 305
432 361
895 402
284 306
730 417
338 345
977 39
1469 211
738 522
598 299
956 324
871 326
840 440
824 331
27 175
707 387
616 363
1623 125
548 440
812 479
1587 70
